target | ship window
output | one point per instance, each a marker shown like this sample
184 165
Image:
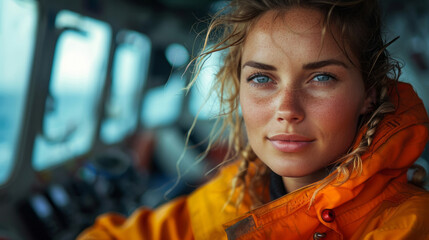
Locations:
203 101
17 38
77 78
162 104
130 68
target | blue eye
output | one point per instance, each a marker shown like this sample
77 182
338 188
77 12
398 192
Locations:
322 78
260 79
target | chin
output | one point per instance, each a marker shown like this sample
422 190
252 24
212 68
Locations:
290 171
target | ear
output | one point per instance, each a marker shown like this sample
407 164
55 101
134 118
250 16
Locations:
369 102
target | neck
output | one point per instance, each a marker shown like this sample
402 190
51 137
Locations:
295 183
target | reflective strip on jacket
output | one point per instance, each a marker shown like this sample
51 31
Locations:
378 204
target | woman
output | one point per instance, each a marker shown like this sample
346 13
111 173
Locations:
330 133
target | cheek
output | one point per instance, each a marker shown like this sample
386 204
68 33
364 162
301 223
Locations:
337 117
256 112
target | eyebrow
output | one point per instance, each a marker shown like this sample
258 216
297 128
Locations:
320 64
308 66
260 66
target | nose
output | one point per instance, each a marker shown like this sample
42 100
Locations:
290 106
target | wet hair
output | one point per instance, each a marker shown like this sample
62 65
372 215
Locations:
359 25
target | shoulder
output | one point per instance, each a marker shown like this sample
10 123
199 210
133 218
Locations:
406 218
418 201
414 211
169 221
197 216
209 206
221 182
414 203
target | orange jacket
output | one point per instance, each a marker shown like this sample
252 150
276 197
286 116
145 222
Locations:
378 204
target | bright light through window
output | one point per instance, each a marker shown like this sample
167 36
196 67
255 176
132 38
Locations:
204 102
129 74
78 75
17 38
162 105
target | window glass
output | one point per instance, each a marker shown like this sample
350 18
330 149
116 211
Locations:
17 37
130 67
202 101
162 105
77 78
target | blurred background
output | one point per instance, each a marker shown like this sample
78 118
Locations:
93 117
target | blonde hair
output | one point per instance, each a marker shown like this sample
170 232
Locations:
360 29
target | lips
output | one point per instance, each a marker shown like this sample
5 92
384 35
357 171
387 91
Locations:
290 143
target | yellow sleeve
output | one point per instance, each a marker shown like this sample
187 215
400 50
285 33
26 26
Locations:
170 221
197 216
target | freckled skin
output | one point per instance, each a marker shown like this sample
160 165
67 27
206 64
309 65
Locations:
292 102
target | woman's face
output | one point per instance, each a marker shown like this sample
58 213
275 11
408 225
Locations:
301 98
